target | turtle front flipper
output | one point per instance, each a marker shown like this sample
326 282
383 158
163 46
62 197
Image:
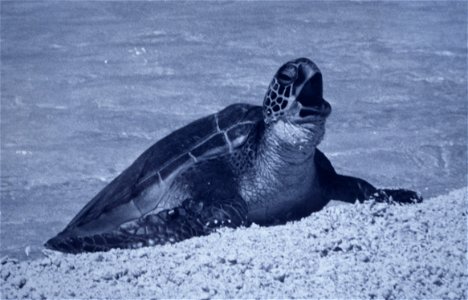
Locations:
351 189
192 218
401 196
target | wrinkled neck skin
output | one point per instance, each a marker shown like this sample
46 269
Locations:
286 156
283 171
290 144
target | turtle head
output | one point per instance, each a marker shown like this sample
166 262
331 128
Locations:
295 94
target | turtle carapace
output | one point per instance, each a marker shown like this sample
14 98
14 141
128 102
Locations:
243 164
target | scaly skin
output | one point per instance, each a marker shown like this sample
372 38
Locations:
281 178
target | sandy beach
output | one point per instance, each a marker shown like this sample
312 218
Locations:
345 251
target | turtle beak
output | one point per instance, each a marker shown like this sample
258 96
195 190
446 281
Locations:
310 98
323 110
311 92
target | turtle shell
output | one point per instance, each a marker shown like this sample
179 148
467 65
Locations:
208 137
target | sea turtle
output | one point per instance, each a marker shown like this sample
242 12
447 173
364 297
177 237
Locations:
244 164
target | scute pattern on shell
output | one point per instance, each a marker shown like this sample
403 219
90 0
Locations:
209 136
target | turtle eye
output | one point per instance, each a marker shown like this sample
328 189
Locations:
287 74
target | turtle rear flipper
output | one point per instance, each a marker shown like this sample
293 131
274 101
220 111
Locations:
191 219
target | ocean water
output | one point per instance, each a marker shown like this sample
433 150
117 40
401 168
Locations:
87 86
